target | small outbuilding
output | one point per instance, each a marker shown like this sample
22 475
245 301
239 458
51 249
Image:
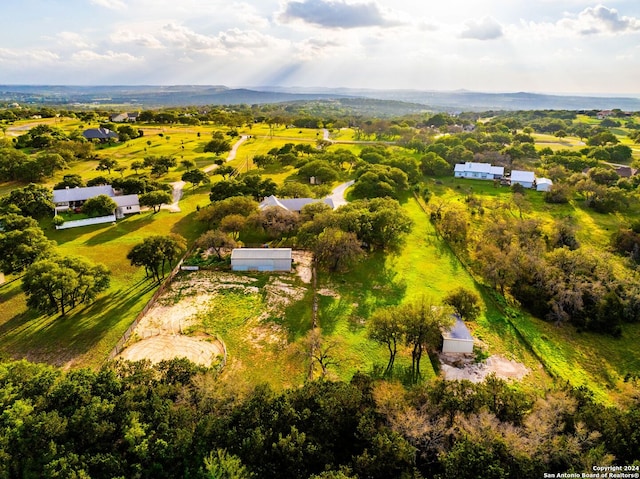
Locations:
458 339
261 259
524 178
543 184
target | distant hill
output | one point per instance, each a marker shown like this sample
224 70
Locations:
404 101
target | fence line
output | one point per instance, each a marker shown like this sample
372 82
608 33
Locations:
163 287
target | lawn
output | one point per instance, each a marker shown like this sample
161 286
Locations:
87 334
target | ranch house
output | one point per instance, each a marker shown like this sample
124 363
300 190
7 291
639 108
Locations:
478 171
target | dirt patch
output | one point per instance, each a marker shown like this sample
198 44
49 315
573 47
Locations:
328 292
303 261
164 347
455 368
280 294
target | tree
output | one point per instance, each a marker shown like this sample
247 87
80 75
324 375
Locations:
216 240
217 146
101 205
32 200
49 163
156 252
222 465
22 242
385 327
213 214
137 165
226 171
69 181
56 284
464 302
188 164
434 165
233 224
423 324
195 177
155 199
337 250
107 164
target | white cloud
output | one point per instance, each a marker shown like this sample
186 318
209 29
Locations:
71 39
28 56
316 48
145 40
485 29
335 14
111 4
87 56
599 20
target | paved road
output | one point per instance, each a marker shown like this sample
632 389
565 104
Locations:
337 195
178 186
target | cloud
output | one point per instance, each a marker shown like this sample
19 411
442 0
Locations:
485 29
110 4
600 19
315 48
335 14
71 39
29 56
141 39
86 56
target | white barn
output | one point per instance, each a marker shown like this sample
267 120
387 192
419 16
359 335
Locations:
478 171
261 259
524 178
458 339
543 184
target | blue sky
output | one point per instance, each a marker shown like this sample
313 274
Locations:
552 46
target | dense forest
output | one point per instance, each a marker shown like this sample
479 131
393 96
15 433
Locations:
178 420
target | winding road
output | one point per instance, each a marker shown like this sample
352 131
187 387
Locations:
178 186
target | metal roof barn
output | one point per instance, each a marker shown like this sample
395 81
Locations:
261 259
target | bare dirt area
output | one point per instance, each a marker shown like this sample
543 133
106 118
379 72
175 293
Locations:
456 367
303 261
164 347
170 328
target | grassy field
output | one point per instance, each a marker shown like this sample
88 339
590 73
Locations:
580 359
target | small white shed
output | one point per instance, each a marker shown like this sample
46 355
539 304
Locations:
261 259
525 178
543 184
458 339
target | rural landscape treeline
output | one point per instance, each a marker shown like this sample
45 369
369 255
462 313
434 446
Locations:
522 224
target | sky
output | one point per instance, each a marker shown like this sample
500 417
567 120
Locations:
547 46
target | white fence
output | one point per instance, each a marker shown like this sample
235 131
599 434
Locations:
86 222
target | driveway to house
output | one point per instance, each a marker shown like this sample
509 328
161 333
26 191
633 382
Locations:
178 186
337 195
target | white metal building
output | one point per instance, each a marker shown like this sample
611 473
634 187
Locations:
261 259
458 339
525 178
543 184
478 171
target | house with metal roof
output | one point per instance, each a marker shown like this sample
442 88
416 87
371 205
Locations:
478 171
100 134
292 204
457 339
261 259
524 178
69 198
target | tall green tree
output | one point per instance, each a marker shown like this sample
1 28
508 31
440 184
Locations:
57 284
423 322
156 252
22 242
155 199
32 200
385 327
